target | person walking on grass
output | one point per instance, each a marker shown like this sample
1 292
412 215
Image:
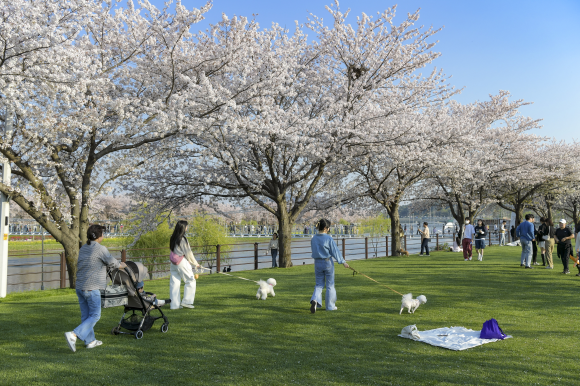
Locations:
525 231
323 251
273 247
93 261
502 232
182 260
549 234
425 239
562 237
480 233
468 237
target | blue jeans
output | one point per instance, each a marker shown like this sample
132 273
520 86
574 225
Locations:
90 303
502 239
526 252
324 272
274 253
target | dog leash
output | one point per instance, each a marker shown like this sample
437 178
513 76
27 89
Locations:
370 278
227 274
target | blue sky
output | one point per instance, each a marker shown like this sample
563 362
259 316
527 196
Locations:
530 48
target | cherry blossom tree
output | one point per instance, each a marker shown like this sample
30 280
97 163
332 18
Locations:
492 150
388 173
90 88
553 174
302 112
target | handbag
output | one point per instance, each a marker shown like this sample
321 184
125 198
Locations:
114 295
546 237
175 258
492 330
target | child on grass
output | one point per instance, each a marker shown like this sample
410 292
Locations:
151 298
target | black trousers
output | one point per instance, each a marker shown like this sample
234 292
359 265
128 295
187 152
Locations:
425 246
534 252
564 254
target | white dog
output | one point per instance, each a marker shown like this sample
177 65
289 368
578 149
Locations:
266 287
412 304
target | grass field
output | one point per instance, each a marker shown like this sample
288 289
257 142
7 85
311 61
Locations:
232 338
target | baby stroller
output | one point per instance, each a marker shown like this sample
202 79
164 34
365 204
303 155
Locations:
141 305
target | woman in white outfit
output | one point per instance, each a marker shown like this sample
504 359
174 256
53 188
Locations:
182 260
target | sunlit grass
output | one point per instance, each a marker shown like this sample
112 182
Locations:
232 338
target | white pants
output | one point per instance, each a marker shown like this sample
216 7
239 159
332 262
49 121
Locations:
180 272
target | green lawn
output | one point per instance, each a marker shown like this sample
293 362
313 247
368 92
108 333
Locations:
232 338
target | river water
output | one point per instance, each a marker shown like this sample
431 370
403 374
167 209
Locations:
25 272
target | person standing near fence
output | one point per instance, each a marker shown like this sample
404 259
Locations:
468 237
562 237
526 232
502 232
273 247
93 261
324 249
425 239
182 260
480 234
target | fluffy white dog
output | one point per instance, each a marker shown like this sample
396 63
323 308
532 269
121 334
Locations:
266 287
412 304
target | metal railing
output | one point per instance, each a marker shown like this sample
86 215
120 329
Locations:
240 256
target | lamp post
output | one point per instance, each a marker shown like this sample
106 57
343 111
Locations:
5 210
42 264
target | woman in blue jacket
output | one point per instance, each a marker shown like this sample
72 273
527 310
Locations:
323 251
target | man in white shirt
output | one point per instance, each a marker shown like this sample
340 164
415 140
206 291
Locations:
468 236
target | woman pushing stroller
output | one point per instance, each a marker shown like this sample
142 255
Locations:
93 261
323 251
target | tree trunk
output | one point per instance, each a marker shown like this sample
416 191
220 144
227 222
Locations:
519 211
576 214
393 211
549 211
460 223
284 238
71 250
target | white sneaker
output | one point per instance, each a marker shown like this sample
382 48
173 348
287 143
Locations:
187 305
94 343
470 259
71 339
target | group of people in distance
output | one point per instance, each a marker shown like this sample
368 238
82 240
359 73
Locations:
473 235
546 237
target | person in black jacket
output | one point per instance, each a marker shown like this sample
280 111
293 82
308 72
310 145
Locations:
513 233
543 231
480 234
562 238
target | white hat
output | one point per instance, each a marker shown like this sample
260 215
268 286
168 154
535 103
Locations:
563 220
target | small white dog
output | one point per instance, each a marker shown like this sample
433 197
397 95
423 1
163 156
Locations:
412 304
266 287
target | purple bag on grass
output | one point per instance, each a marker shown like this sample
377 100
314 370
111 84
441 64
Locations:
492 330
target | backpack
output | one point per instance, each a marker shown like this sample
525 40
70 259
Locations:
492 330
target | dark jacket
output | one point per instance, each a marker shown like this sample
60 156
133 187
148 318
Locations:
478 234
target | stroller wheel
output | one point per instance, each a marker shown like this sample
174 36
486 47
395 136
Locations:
115 330
164 327
139 334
